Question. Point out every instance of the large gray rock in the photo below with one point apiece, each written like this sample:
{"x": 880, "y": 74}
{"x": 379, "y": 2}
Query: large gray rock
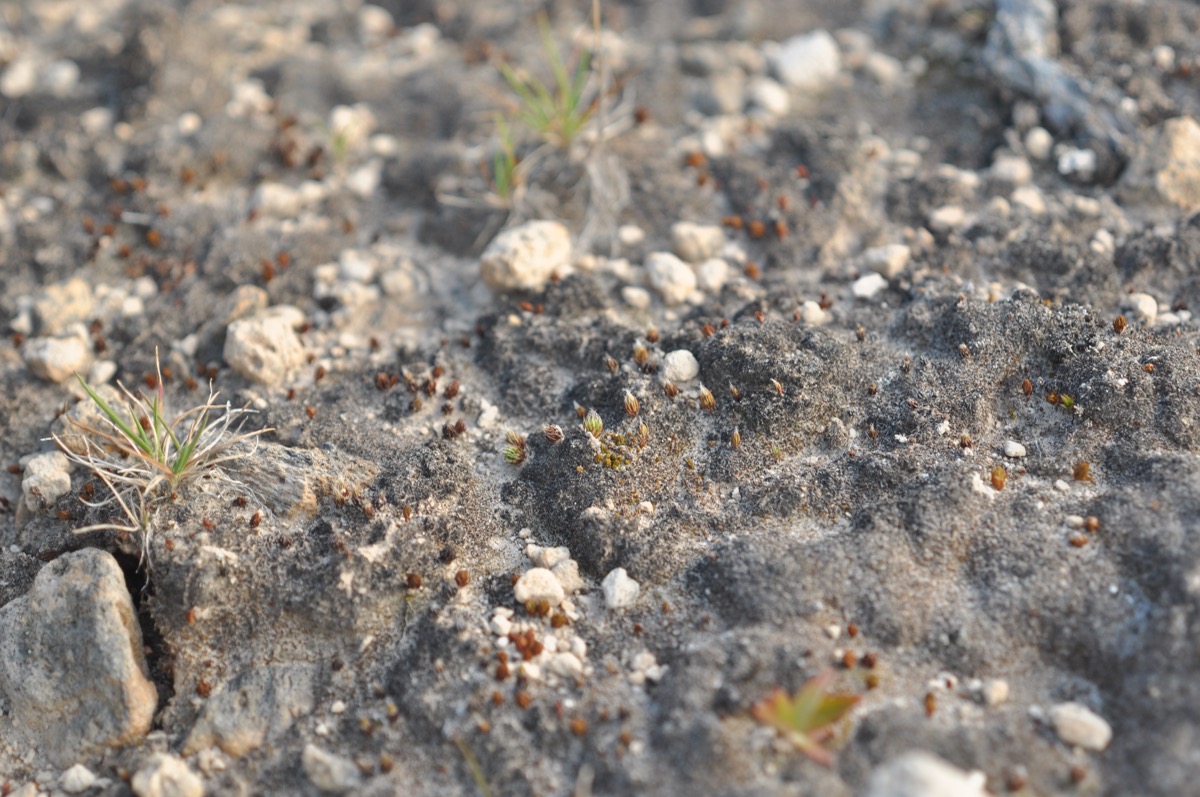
{"x": 71, "y": 664}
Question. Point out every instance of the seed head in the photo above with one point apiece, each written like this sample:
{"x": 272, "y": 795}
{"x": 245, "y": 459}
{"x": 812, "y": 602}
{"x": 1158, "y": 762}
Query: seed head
{"x": 775, "y": 383}
{"x": 515, "y": 439}
{"x": 631, "y": 404}
{"x": 514, "y": 455}
{"x": 553, "y": 432}
{"x": 640, "y": 354}
{"x": 735, "y": 439}
{"x": 643, "y": 435}
{"x": 670, "y": 390}
{"x": 1119, "y": 324}
{"x": 999, "y": 477}
{"x": 733, "y": 391}
{"x": 592, "y": 424}
{"x": 611, "y": 364}
{"x": 707, "y": 400}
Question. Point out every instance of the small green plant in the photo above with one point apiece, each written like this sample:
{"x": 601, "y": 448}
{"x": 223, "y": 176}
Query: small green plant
{"x": 806, "y": 719}
{"x": 504, "y": 162}
{"x": 559, "y": 112}
{"x": 143, "y": 457}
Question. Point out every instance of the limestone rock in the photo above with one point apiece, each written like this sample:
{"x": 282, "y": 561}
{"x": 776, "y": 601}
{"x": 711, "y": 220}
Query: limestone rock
{"x": 523, "y": 258}
{"x": 71, "y": 661}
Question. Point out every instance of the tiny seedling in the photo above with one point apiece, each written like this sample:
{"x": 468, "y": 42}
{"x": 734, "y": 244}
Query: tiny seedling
{"x": 557, "y": 113}
{"x": 143, "y": 457}
{"x": 504, "y": 162}
{"x": 807, "y": 718}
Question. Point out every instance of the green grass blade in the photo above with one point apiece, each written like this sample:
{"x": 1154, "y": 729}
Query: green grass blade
{"x": 137, "y": 438}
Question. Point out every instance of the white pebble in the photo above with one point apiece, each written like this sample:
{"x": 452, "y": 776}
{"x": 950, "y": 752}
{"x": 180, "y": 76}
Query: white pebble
{"x": 712, "y": 275}
{"x": 265, "y": 347}
{"x": 330, "y": 773}
{"x": 807, "y": 62}
{"x": 635, "y": 297}
{"x": 523, "y": 258}
{"x": 1061, "y": 486}
{"x": 538, "y": 584}
{"x": 567, "y": 573}
{"x": 680, "y": 366}
{"x": 57, "y": 359}
{"x": 630, "y": 235}
{"x": 1074, "y": 521}
{"x": 77, "y": 779}
{"x": 1078, "y": 725}
{"x": 868, "y": 286}
{"x": 887, "y": 260}
{"x": 19, "y": 78}
{"x": 1039, "y": 143}
{"x": 673, "y": 279}
{"x": 1013, "y": 449}
{"x": 1012, "y": 169}
{"x": 946, "y": 218}
{"x": 811, "y": 313}
{"x": 564, "y": 665}
{"x": 995, "y": 691}
{"x": 166, "y": 775}
{"x": 696, "y": 243}
{"x": 1077, "y": 163}
{"x": 768, "y": 95}
{"x": 921, "y": 774}
{"x": 1143, "y": 306}
{"x": 1029, "y": 197}
{"x": 45, "y": 479}
{"x": 620, "y": 591}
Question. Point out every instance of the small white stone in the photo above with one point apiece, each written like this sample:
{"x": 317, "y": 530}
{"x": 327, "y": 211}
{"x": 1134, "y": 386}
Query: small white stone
{"x": 564, "y": 665}
{"x": 712, "y": 275}
{"x": 567, "y": 573}
{"x": 1078, "y": 725}
{"x": 277, "y": 199}
{"x": 337, "y": 707}
{"x": 680, "y": 366}
{"x": 375, "y": 25}
{"x": 60, "y": 78}
{"x": 883, "y": 68}
{"x": 364, "y": 181}
{"x": 1077, "y": 163}
{"x": 57, "y": 359}
{"x": 943, "y": 428}
{"x": 887, "y": 260}
{"x": 620, "y": 591}
{"x": 630, "y": 234}
{"x": 994, "y": 692}
{"x": 19, "y": 78}
{"x": 354, "y": 264}
{"x": 696, "y": 243}
{"x": 1164, "y": 57}
{"x": 808, "y": 62}
{"x": 538, "y": 584}
{"x": 833, "y": 630}
{"x": 549, "y": 557}
{"x": 1039, "y": 143}
{"x": 166, "y": 775}
{"x": 330, "y": 773}
{"x": 921, "y": 774}
{"x": 77, "y": 779}
{"x": 523, "y": 258}
{"x": 501, "y": 626}
{"x": 811, "y": 313}
{"x": 45, "y": 479}
{"x": 947, "y": 218}
{"x": 673, "y": 279}
{"x": 1143, "y": 306}
{"x": 1062, "y": 486}
{"x": 768, "y": 95}
{"x": 1013, "y": 449}
{"x": 1012, "y": 169}
{"x": 868, "y": 286}
{"x": 397, "y": 282}
{"x": 635, "y": 297}
{"x": 529, "y": 671}
{"x": 1029, "y": 197}
{"x": 265, "y": 347}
